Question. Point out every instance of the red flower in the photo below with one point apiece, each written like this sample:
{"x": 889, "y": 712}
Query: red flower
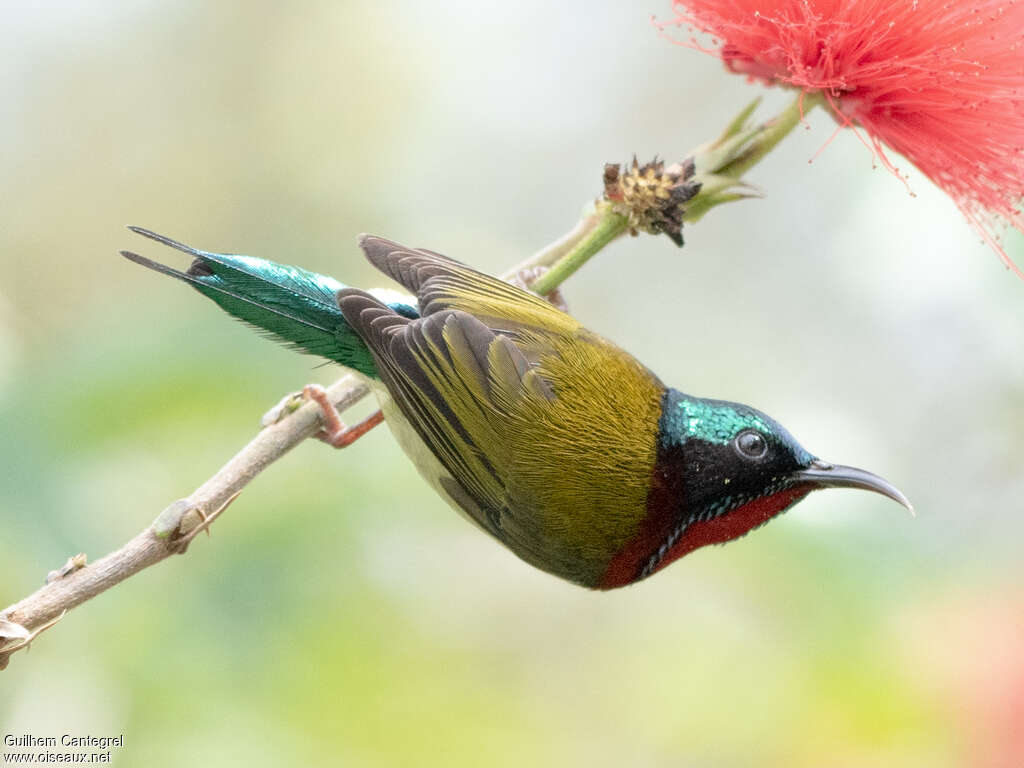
{"x": 939, "y": 81}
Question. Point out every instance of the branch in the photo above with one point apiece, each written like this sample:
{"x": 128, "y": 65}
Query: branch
{"x": 651, "y": 198}
{"x": 174, "y": 528}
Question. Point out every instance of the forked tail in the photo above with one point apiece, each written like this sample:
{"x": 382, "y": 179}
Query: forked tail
{"x": 291, "y": 305}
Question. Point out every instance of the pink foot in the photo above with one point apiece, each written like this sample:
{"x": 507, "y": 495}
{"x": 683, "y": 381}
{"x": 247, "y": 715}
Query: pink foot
{"x": 335, "y": 432}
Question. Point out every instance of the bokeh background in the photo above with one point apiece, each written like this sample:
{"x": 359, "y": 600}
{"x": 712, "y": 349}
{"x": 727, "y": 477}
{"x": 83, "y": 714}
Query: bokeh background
{"x": 341, "y": 614}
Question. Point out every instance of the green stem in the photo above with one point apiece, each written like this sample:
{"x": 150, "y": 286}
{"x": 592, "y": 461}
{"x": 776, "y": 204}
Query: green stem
{"x": 609, "y": 226}
{"x": 773, "y": 132}
{"x": 552, "y": 252}
{"x": 746, "y": 148}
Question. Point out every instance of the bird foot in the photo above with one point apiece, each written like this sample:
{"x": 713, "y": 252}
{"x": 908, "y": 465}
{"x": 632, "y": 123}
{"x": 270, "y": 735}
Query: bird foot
{"x": 334, "y": 432}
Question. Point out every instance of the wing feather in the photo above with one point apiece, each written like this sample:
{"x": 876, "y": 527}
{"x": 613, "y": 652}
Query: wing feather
{"x": 454, "y": 380}
{"x": 442, "y": 283}
{"x": 533, "y": 418}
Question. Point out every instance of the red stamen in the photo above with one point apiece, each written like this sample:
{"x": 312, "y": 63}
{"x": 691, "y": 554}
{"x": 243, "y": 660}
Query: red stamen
{"x": 939, "y": 82}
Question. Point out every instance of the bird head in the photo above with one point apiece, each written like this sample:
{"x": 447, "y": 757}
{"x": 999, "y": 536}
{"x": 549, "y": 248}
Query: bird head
{"x": 723, "y": 469}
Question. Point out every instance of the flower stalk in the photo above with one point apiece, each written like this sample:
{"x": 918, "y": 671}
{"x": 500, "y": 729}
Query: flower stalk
{"x": 609, "y": 225}
{"x": 657, "y": 199}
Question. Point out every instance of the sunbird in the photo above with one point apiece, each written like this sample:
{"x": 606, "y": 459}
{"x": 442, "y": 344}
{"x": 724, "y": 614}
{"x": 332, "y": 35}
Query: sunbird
{"x": 550, "y": 438}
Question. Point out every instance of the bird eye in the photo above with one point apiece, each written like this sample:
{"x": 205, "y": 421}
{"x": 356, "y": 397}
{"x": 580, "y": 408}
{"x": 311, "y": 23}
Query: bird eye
{"x": 750, "y": 444}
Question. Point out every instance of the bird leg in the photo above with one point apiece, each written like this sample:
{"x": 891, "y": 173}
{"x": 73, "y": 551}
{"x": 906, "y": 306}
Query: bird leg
{"x": 335, "y": 432}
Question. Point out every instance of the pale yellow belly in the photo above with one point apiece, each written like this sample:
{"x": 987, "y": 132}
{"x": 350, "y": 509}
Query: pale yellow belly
{"x": 422, "y": 457}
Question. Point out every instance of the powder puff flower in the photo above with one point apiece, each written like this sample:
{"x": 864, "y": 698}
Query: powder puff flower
{"x": 938, "y": 81}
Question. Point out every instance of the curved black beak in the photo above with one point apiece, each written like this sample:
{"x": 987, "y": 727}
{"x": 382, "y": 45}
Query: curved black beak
{"x": 826, "y": 475}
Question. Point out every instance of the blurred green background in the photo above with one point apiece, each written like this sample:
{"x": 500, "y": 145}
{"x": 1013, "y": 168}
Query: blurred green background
{"x": 341, "y": 613}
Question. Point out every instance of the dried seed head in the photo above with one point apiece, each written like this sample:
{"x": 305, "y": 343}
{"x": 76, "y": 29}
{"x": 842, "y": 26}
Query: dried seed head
{"x": 652, "y": 196}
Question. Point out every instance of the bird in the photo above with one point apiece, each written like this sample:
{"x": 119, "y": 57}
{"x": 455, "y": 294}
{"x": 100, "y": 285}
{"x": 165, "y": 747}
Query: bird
{"x": 551, "y": 439}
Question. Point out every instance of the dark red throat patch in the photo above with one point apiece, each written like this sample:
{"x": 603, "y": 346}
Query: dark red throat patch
{"x": 626, "y": 567}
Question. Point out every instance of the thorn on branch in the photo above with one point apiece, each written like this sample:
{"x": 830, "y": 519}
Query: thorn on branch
{"x": 14, "y": 637}
{"x": 205, "y": 521}
{"x": 179, "y": 525}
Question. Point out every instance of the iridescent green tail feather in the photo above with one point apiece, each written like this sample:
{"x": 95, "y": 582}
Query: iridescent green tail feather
{"x": 291, "y": 305}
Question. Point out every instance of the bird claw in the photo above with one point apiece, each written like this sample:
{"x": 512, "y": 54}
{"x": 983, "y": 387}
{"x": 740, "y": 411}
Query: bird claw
{"x": 334, "y": 432}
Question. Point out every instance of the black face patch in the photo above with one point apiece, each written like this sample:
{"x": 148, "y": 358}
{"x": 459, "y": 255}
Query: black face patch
{"x": 721, "y": 454}
{"x": 715, "y": 475}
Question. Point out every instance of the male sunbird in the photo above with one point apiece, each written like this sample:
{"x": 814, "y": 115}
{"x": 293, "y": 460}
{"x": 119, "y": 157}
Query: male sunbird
{"x": 559, "y": 444}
